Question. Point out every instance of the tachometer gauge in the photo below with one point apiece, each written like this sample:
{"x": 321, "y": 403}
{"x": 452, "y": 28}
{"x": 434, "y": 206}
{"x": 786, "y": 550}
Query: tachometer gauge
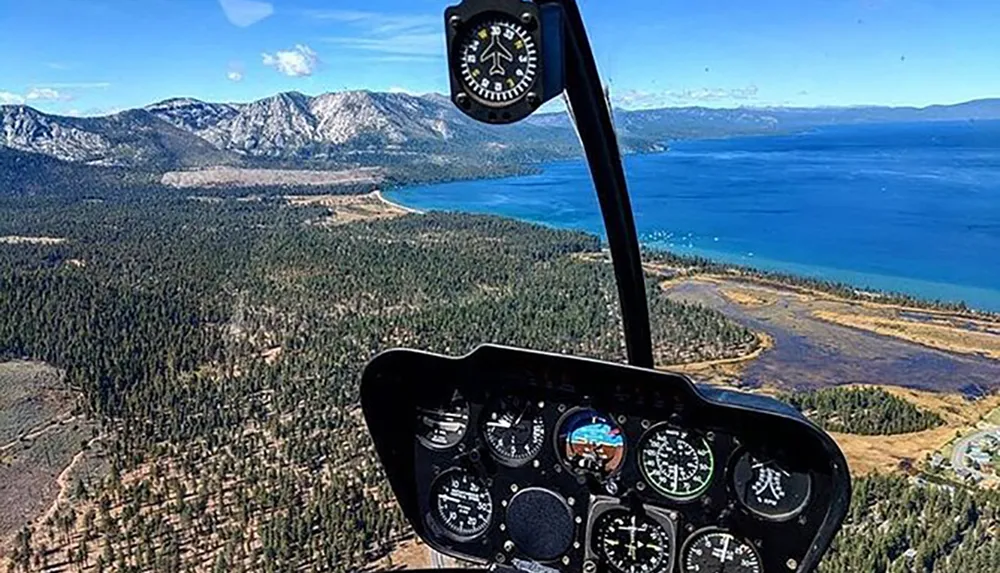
{"x": 632, "y": 543}
{"x": 678, "y": 464}
{"x": 716, "y": 551}
{"x": 442, "y": 424}
{"x": 461, "y": 504}
{"x": 498, "y": 60}
{"x": 514, "y": 430}
{"x": 590, "y": 442}
{"x": 768, "y": 489}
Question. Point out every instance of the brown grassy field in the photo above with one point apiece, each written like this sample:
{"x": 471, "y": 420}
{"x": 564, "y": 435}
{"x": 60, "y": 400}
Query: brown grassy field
{"x": 350, "y": 208}
{"x": 943, "y": 335}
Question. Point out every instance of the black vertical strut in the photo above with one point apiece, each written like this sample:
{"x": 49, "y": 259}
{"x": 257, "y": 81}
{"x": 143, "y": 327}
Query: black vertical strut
{"x": 593, "y": 120}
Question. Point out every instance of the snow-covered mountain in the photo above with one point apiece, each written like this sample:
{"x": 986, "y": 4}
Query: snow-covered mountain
{"x": 185, "y": 132}
{"x": 362, "y": 127}
{"x": 128, "y": 138}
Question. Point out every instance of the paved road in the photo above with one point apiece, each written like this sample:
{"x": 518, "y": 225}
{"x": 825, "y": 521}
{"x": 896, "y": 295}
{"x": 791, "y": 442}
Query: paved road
{"x": 958, "y": 454}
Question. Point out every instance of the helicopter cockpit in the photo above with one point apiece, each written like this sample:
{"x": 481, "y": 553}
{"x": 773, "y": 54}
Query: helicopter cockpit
{"x": 516, "y": 459}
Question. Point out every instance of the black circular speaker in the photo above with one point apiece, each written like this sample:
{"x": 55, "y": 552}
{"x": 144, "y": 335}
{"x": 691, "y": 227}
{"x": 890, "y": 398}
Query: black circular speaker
{"x": 540, "y": 523}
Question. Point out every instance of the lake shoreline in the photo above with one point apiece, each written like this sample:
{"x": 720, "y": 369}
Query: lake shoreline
{"x": 880, "y": 208}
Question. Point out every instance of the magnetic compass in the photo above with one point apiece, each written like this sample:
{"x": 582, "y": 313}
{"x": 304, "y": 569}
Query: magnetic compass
{"x": 498, "y": 60}
{"x": 495, "y": 58}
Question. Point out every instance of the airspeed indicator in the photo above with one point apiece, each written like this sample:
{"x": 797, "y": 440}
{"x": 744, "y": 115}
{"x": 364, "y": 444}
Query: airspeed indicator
{"x": 678, "y": 464}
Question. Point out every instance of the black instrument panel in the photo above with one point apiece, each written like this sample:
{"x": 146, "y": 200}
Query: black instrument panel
{"x": 546, "y": 462}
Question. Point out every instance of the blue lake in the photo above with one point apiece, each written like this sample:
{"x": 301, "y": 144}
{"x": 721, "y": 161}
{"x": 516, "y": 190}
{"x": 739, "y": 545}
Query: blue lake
{"x": 912, "y": 208}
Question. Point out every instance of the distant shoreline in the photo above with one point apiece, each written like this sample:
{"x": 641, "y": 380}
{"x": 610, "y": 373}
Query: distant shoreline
{"x": 377, "y": 194}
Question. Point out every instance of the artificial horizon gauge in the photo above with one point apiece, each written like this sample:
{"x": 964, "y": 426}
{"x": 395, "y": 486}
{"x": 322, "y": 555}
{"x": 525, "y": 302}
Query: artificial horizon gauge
{"x": 590, "y": 442}
{"x": 632, "y": 543}
{"x": 461, "y": 504}
{"x": 717, "y": 551}
{"x": 442, "y": 423}
{"x": 514, "y": 430}
{"x": 677, "y": 463}
{"x": 768, "y": 489}
{"x": 497, "y": 60}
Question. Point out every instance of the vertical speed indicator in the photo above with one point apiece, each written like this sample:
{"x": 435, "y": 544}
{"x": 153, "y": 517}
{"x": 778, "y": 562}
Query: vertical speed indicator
{"x": 497, "y": 61}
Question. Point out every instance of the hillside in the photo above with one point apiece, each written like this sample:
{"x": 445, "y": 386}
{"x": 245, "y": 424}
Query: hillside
{"x": 413, "y": 133}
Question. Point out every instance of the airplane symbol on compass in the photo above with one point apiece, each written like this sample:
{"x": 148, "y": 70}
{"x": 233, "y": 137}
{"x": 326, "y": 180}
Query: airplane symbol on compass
{"x": 497, "y": 52}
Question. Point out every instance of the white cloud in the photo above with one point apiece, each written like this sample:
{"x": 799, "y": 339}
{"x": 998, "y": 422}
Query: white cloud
{"x": 47, "y": 94}
{"x": 8, "y": 98}
{"x": 235, "y": 75}
{"x": 411, "y": 45}
{"x": 642, "y": 99}
{"x": 245, "y": 13}
{"x": 412, "y": 36}
{"x": 401, "y": 90}
{"x": 78, "y": 85}
{"x": 299, "y": 61}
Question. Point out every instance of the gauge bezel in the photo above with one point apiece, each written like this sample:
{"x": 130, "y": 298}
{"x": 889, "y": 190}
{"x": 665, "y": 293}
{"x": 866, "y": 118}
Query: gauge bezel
{"x": 562, "y": 458}
{"x": 438, "y": 524}
{"x": 503, "y": 459}
{"x": 697, "y": 534}
{"x": 736, "y": 457}
{"x": 458, "y": 19}
{"x": 663, "y": 566}
{"x": 423, "y": 441}
{"x": 644, "y": 441}
{"x": 601, "y": 505}
{"x": 532, "y": 49}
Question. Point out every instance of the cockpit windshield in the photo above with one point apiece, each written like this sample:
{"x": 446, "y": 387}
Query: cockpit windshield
{"x": 215, "y": 213}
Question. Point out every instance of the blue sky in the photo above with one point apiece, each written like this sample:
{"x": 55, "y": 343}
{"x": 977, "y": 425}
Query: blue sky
{"x": 95, "y": 56}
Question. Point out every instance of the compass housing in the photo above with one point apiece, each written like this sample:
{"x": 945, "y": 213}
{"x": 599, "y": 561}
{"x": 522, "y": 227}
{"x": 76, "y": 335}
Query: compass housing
{"x": 495, "y": 59}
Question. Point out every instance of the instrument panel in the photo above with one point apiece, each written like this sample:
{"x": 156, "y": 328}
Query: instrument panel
{"x": 548, "y": 463}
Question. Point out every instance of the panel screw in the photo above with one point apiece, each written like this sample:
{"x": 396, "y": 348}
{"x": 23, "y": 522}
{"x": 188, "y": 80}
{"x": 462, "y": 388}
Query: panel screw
{"x": 576, "y": 545}
{"x": 532, "y": 99}
{"x": 527, "y": 18}
{"x": 571, "y": 501}
{"x": 803, "y": 520}
{"x": 589, "y": 567}
{"x": 565, "y": 560}
{"x": 640, "y": 486}
{"x": 513, "y": 488}
{"x": 503, "y": 527}
{"x": 455, "y": 20}
{"x": 560, "y": 407}
{"x": 710, "y": 436}
{"x": 501, "y": 558}
{"x": 462, "y": 100}
{"x": 578, "y": 519}
{"x": 621, "y": 418}
{"x": 535, "y": 464}
{"x": 791, "y": 564}
{"x": 508, "y": 545}
{"x": 645, "y": 424}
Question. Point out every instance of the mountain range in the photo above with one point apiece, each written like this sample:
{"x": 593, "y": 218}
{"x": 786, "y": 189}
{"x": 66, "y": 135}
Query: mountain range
{"x": 372, "y": 128}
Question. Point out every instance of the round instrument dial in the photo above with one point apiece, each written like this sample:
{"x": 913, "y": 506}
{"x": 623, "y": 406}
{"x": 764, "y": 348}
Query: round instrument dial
{"x": 461, "y": 504}
{"x": 590, "y": 442}
{"x": 442, "y": 423}
{"x": 770, "y": 490}
{"x": 719, "y": 552}
{"x": 498, "y": 60}
{"x": 514, "y": 430}
{"x": 678, "y": 464}
{"x": 632, "y": 543}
